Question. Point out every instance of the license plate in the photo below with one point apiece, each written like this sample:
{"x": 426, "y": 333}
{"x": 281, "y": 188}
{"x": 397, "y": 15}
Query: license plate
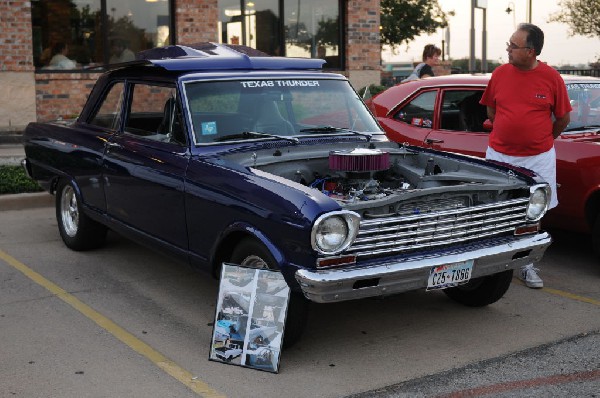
{"x": 449, "y": 275}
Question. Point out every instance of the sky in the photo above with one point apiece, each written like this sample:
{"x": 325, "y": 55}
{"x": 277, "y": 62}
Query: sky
{"x": 559, "y": 48}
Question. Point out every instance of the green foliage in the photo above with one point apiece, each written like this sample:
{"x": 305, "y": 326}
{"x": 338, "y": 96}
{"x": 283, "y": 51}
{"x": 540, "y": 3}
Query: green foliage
{"x": 373, "y": 90}
{"x": 582, "y": 16}
{"x": 14, "y": 180}
{"x": 463, "y": 65}
{"x": 403, "y": 20}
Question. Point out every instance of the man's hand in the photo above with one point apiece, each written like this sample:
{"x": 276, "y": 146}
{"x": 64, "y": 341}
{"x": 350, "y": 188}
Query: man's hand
{"x": 491, "y": 113}
{"x": 559, "y": 124}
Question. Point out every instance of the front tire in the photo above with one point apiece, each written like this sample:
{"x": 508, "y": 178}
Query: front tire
{"x": 77, "y": 230}
{"x": 251, "y": 253}
{"x": 483, "y": 291}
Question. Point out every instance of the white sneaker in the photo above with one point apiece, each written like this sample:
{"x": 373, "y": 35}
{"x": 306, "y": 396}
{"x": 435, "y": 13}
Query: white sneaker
{"x": 529, "y": 275}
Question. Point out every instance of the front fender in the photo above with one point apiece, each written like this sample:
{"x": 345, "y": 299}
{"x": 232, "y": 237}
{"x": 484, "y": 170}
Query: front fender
{"x": 238, "y": 231}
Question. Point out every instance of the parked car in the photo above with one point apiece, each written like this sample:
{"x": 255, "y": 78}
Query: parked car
{"x": 444, "y": 113}
{"x": 211, "y": 155}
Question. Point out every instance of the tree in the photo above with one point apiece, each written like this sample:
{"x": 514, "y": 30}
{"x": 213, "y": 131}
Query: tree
{"x": 402, "y": 20}
{"x": 582, "y": 16}
{"x": 462, "y": 65}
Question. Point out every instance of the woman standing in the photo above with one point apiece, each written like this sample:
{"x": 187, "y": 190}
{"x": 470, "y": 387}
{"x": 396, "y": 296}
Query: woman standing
{"x": 431, "y": 57}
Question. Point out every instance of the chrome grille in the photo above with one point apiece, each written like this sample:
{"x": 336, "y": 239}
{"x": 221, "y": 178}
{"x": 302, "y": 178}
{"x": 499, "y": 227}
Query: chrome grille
{"x": 442, "y": 227}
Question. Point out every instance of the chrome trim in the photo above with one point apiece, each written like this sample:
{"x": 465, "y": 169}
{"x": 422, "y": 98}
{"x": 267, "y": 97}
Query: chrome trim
{"x": 352, "y": 220}
{"x": 424, "y": 87}
{"x": 402, "y": 275}
{"x": 25, "y": 164}
{"x": 393, "y": 235}
{"x": 548, "y": 193}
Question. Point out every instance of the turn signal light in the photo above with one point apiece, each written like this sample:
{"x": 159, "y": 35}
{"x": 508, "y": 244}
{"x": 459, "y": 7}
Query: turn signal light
{"x": 527, "y": 229}
{"x": 335, "y": 261}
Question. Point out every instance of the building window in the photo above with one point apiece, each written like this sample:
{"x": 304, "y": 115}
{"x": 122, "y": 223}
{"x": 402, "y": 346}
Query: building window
{"x": 293, "y": 28}
{"x": 74, "y": 34}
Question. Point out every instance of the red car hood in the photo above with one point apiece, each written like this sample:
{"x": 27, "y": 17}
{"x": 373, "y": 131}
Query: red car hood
{"x": 584, "y": 136}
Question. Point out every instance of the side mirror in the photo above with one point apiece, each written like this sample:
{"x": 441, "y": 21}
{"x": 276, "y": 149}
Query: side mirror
{"x": 488, "y": 125}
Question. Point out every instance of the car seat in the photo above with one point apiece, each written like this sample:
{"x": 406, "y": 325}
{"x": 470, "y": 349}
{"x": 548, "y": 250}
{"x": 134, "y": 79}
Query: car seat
{"x": 270, "y": 120}
{"x": 471, "y": 113}
{"x": 170, "y": 124}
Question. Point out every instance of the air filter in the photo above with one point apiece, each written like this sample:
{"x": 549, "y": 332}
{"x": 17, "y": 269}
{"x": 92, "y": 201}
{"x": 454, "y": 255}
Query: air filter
{"x": 359, "y": 160}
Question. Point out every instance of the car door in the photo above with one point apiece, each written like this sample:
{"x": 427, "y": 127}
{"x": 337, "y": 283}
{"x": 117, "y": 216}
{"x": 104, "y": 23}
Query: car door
{"x": 459, "y": 122}
{"x": 89, "y": 144}
{"x": 144, "y": 166}
{"x": 412, "y": 121}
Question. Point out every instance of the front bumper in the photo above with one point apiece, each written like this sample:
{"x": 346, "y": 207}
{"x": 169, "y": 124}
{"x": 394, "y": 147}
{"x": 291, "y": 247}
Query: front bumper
{"x": 388, "y": 277}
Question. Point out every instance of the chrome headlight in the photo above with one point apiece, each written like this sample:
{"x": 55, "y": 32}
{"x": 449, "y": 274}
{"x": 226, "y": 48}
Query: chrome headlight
{"x": 539, "y": 200}
{"x": 334, "y": 232}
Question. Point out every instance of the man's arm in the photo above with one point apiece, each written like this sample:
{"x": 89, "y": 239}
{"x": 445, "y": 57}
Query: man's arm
{"x": 491, "y": 114}
{"x": 559, "y": 124}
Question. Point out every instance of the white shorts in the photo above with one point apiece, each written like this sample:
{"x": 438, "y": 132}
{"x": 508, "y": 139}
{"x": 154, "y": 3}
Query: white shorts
{"x": 543, "y": 164}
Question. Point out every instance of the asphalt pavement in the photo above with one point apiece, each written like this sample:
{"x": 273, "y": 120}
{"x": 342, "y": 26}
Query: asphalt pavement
{"x": 561, "y": 369}
{"x": 569, "y": 367}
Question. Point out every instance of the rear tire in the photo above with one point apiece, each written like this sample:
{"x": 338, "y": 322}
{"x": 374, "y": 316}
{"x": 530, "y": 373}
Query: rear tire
{"x": 596, "y": 235}
{"x": 251, "y": 253}
{"x": 77, "y": 230}
{"x": 483, "y": 291}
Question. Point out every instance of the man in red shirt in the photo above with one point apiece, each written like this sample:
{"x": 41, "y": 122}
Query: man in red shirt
{"x": 528, "y": 103}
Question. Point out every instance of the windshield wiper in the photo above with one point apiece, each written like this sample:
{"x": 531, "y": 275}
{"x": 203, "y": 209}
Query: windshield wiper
{"x": 581, "y": 128}
{"x": 327, "y": 129}
{"x": 254, "y": 134}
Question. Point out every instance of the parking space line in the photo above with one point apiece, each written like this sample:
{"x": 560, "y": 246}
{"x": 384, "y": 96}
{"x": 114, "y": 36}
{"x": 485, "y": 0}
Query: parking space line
{"x": 564, "y": 294}
{"x": 572, "y": 296}
{"x": 185, "y": 377}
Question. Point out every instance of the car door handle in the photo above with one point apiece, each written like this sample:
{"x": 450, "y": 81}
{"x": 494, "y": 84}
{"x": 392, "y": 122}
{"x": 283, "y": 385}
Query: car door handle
{"x": 431, "y": 141}
{"x": 110, "y": 145}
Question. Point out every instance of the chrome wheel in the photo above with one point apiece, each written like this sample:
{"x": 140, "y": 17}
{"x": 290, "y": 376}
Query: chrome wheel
{"x": 254, "y": 261}
{"x": 69, "y": 211}
{"x": 251, "y": 253}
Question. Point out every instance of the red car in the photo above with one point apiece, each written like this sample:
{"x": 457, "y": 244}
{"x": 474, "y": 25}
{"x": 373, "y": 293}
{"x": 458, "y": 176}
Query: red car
{"x": 444, "y": 113}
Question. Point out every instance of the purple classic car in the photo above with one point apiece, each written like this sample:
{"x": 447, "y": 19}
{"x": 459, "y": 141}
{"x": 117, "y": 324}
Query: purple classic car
{"x": 217, "y": 154}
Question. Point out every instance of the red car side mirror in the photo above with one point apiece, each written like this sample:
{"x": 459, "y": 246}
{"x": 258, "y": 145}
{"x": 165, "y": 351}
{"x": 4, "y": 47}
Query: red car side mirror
{"x": 488, "y": 125}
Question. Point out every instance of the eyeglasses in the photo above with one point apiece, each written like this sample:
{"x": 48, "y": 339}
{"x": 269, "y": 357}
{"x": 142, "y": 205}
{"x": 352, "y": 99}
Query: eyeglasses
{"x": 513, "y": 46}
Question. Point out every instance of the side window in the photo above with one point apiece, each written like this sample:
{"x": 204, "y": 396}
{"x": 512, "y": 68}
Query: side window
{"x": 419, "y": 112}
{"x": 109, "y": 113}
{"x": 154, "y": 114}
{"x": 461, "y": 111}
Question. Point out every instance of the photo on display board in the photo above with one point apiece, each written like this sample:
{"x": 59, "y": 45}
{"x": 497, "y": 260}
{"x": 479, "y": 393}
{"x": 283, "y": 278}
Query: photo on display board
{"x": 250, "y": 318}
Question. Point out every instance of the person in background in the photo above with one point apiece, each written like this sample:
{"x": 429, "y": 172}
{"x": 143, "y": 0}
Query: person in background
{"x": 59, "y": 58}
{"x": 120, "y": 52}
{"x": 431, "y": 57}
{"x": 527, "y": 102}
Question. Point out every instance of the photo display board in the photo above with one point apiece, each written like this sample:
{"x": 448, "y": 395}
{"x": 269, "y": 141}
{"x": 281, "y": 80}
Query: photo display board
{"x": 250, "y": 318}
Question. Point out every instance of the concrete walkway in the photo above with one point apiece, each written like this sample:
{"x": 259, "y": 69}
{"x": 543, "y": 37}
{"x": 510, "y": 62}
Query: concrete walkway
{"x": 11, "y": 154}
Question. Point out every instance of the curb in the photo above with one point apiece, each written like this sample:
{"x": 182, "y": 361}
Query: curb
{"x": 11, "y": 135}
{"x": 23, "y": 201}
{"x": 11, "y": 138}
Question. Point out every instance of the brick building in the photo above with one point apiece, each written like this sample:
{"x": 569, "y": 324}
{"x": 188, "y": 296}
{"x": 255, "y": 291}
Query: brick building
{"x": 32, "y": 87}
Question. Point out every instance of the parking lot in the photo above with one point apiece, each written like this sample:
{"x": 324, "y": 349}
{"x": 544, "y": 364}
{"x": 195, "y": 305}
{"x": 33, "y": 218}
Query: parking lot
{"x": 124, "y": 321}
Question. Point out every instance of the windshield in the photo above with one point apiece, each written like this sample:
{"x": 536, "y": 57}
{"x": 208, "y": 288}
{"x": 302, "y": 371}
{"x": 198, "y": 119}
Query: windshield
{"x": 585, "y": 101}
{"x": 277, "y": 108}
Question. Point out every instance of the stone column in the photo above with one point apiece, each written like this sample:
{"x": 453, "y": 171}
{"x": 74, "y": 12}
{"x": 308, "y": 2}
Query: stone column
{"x": 363, "y": 48}
{"x": 17, "y": 80}
{"x": 196, "y": 21}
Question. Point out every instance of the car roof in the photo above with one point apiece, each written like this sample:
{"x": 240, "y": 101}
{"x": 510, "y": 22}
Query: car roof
{"x": 390, "y": 98}
{"x": 481, "y": 78}
{"x": 218, "y": 57}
